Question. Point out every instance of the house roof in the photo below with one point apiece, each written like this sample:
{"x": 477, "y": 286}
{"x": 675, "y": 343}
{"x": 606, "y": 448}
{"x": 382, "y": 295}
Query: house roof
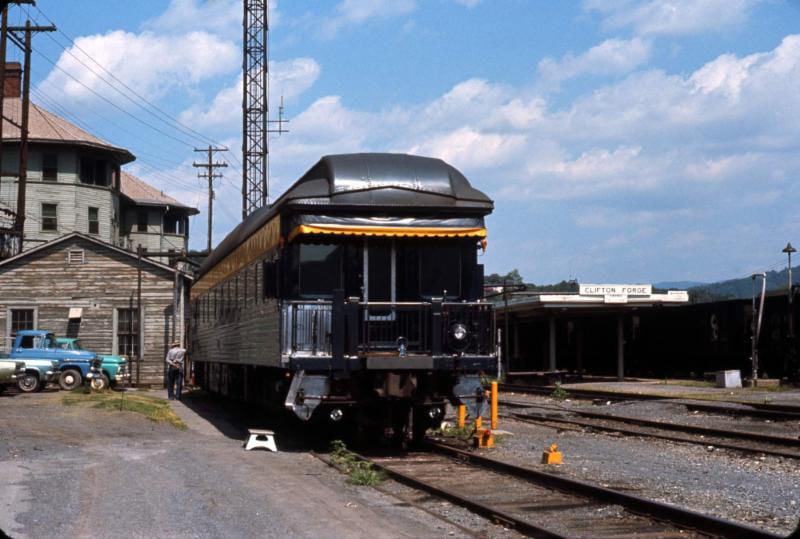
{"x": 145, "y": 194}
{"x": 46, "y": 127}
{"x": 72, "y": 235}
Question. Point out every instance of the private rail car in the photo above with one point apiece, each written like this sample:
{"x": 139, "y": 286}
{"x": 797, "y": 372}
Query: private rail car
{"x": 357, "y": 294}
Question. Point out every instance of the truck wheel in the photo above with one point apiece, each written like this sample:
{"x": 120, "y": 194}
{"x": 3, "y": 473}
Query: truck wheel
{"x": 70, "y": 379}
{"x": 100, "y": 383}
{"x": 2, "y": 389}
{"x": 28, "y": 383}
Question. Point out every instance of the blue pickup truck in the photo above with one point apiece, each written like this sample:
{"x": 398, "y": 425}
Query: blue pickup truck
{"x": 46, "y": 362}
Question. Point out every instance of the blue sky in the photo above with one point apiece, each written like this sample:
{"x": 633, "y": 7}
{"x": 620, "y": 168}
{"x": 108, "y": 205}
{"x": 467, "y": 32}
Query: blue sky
{"x": 622, "y": 140}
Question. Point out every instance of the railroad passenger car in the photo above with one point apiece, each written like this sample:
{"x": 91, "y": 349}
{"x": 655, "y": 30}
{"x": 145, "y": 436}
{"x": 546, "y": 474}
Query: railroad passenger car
{"x": 357, "y": 294}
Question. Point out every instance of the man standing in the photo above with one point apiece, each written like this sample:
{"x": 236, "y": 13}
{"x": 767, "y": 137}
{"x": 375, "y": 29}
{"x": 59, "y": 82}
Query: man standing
{"x": 175, "y": 357}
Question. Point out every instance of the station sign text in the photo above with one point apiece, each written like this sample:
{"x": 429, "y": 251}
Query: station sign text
{"x": 615, "y": 290}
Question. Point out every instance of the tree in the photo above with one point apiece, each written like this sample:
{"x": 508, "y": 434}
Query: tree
{"x": 512, "y": 277}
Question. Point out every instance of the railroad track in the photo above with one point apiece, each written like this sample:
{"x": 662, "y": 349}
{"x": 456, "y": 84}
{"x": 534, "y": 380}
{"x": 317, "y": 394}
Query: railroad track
{"x": 778, "y": 412}
{"x": 540, "y": 504}
{"x": 749, "y": 442}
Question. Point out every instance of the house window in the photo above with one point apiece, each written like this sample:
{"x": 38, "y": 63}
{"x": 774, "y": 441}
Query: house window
{"x": 128, "y": 332}
{"x": 21, "y": 319}
{"x": 50, "y": 167}
{"x": 75, "y": 256}
{"x": 93, "y": 171}
{"x": 100, "y": 174}
{"x": 141, "y": 221}
{"x": 94, "y": 221}
{"x": 170, "y": 225}
{"x": 49, "y": 217}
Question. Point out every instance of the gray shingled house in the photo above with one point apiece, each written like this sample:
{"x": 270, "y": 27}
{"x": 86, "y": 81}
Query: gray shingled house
{"x": 76, "y": 184}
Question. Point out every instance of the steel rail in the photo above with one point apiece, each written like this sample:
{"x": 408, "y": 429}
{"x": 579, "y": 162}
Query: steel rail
{"x": 757, "y": 412}
{"x": 631, "y": 432}
{"x": 487, "y": 511}
{"x": 581, "y": 393}
{"x": 786, "y": 411}
{"x": 635, "y": 504}
{"x": 680, "y": 427}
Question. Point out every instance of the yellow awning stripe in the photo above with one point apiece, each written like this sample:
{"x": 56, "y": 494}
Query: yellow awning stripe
{"x": 389, "y": 231}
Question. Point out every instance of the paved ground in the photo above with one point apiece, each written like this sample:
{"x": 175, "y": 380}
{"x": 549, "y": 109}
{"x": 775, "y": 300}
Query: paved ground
{"x": 79, "y": 472}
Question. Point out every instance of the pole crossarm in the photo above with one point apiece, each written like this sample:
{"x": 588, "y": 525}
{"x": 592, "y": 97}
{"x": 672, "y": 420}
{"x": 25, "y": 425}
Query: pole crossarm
{"x": 210, "y": 166}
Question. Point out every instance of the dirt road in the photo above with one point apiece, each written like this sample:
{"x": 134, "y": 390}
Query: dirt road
{"x": 79, "y": 472}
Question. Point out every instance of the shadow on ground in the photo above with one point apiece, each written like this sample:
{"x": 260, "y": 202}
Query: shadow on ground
{"x": 233, "y": 419}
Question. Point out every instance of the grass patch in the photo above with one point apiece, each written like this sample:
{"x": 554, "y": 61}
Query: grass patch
{"x": 559, "y": 393}
{"x": 454, "y": 431}
{"x": 153, "y": 408}
{"x": 359, "y": 472}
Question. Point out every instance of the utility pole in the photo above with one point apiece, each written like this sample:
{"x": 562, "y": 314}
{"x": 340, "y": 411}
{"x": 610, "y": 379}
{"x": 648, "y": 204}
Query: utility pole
{"x": 789, "y": 250}
{"x": 757, "y": 318}
{"x": 210, "y": 175}
{"x": 3, "y": 41}
{"x": 24, "y": 42}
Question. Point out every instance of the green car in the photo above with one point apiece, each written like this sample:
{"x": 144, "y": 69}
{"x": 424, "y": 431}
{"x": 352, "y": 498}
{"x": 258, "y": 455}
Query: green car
{"x": 115, "y": 368}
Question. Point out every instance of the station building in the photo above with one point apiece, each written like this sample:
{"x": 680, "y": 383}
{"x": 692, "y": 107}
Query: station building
{"x": 591, "y": 331}
{"x": 644, "y": 335}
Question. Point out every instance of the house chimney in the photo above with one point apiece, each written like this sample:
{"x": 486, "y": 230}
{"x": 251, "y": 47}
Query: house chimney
{"x": 11, "y": 88}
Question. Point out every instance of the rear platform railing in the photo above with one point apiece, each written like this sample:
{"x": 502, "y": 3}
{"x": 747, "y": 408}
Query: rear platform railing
{"x": 319, "y": 328}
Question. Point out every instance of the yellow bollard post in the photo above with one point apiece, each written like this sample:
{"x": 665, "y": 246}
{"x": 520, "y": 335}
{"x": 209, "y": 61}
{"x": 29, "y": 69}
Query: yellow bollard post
{"x": 462, "y": 416}
{"x": 494, "y": 405}
{"x": 478, "y": 422}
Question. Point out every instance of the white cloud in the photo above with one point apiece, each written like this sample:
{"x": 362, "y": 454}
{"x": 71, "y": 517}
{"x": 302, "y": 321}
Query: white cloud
{"x": 649, "y": 134}
{"x": 216, "y": 16}
{"x": 611, "y": 57}
{"x": 665, "y": 17}
{"x": 355, "y": 12}
{"x": 471, "y": 148}
{"x": 288, "y": 79}
{"x": 149, "y": 63}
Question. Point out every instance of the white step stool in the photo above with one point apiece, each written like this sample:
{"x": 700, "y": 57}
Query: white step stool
{"x": 261, "y": 438}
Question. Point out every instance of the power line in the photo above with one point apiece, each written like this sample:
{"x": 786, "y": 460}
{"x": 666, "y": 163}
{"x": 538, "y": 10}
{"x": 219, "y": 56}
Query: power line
{"x": 173, "y": 122}
{"x": 64, "y": 112}
{"x": 104, "y": 98}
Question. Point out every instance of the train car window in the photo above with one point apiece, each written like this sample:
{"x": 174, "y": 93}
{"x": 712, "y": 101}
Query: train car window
{"x": 257, "y": 277}
{"x": 407, "y": 271}
{"x": 440, "y": 270}
{"x": 380, "y": 267}
{"x": 320, "y": 270}
{"x": 245, "y": 275}
{"x": 236, "y": 303}
{"x": 353, "y": 269}
{"x": 270, "y": 280}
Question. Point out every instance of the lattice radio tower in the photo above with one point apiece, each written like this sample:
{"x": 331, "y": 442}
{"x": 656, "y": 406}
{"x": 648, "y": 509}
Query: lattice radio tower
{"x": 255, "y": 108}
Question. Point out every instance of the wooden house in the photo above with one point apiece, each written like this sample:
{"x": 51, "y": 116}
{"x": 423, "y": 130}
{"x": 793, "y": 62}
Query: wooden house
{"x": 81, "y": 286}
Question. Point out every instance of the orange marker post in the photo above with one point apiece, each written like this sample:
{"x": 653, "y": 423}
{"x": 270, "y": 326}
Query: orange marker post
{"x": 494, "y": 405}
{"x": 462, "y": 416}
